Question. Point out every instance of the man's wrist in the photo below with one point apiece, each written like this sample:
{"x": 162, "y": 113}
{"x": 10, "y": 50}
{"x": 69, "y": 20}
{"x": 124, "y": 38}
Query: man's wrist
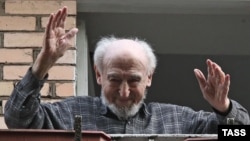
{"x": 226, "y": 112}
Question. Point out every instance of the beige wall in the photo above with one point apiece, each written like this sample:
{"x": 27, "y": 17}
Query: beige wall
{"x": 22, "y": 25}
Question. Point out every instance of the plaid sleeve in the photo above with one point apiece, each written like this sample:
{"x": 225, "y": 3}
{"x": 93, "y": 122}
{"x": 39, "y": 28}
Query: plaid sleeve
{"x": 24, "y": 102}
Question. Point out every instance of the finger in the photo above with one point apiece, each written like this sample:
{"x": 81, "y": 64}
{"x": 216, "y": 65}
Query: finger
{"x": 220, "y": 75}
{"x": 210, "y": 67}
{"x": 226, "y": 86}
{"x": 62, "y": 19}
{"x": 200, "y": 78}
{"x": 65, "y": 40}
{"x": 69, "y": 35}
{"x": 56, "y": 19}
{"x": 49, "y": 26}
{"x": 227, "y": 80}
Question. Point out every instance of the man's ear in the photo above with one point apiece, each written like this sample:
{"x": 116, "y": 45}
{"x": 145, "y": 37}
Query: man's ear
{"x": 149, "y": 82}
{"x": 98, "y": 75}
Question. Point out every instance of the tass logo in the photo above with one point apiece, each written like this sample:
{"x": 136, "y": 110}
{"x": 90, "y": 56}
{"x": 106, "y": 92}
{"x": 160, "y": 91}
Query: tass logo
{"x": 234, "y": 132}
{"x": 226, "y": 132}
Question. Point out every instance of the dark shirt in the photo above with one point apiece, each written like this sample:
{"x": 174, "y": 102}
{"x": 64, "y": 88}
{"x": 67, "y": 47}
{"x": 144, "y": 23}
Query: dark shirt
{"x": 24, "y": 110}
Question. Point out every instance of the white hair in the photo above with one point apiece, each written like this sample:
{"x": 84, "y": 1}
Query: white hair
{"x": 123, "y": 113}
{"x": 105, "y": 42}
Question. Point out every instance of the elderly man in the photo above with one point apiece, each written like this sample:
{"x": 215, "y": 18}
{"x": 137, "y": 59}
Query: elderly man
{"x": 124, "y": 69}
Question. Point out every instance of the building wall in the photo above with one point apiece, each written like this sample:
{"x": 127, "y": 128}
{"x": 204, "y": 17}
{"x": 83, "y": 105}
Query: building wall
{"x": 22, "y": 25}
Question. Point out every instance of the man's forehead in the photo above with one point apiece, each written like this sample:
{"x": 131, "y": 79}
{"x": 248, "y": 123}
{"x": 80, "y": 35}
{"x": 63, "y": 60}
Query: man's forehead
{"x": 118, "y": 74}
{"x": 126, "y": 55}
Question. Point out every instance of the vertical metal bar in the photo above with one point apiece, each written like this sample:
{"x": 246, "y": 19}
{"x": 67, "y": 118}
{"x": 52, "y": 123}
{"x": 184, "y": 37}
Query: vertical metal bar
{"x": 78, "y": 128}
